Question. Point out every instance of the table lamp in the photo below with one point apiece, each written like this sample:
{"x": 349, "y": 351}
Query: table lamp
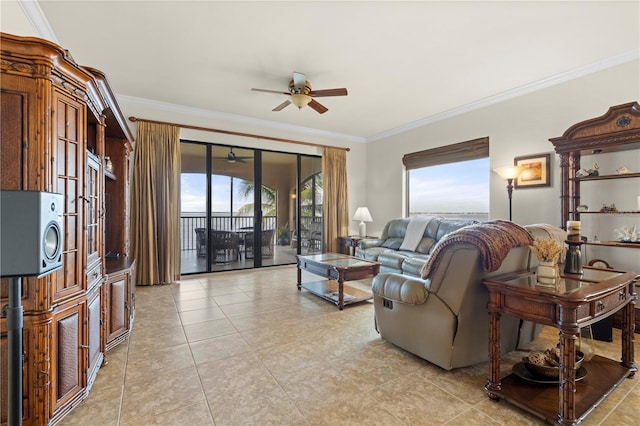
{"x": 363, "y": 215}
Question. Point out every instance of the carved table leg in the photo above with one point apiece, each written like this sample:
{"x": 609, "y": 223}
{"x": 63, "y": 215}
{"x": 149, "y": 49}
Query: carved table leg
{"x": 494, "y": 385}
{"x": 567, "y": 407}
{"x": 628, "y": 337}
{"x": 340, "y": 292}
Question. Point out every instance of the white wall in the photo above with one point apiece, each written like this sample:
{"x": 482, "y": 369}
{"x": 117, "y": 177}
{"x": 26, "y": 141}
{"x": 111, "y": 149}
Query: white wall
{"x": 519, "y": 126}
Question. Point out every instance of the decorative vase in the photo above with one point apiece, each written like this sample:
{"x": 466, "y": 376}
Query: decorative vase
{"x": 547, "y": 273}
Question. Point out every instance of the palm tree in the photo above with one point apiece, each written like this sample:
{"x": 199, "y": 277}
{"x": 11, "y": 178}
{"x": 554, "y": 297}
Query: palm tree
{"x": 246, "y": 189}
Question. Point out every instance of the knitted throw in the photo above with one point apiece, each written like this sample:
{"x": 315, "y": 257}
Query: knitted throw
{"x": 493, "y": 239}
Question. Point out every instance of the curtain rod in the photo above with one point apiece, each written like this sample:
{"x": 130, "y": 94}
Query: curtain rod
{"x": 229, "y": 132}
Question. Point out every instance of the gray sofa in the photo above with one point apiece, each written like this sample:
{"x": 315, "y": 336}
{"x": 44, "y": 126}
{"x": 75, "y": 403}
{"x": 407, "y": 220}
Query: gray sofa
{"x": 443, "y": 317}
{"x": 386, "y": 249}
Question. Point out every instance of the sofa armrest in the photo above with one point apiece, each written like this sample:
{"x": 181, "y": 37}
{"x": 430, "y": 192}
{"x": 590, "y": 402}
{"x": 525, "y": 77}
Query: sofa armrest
{"x": 371, "y": 242}
{"x": 401, "y": 288}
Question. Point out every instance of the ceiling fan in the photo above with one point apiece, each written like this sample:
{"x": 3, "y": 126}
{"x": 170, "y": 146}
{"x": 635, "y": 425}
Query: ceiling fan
{"x": 233, "y": 158}
{"x": 301, "y": 94}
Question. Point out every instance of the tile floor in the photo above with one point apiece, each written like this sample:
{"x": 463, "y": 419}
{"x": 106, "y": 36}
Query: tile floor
{"x": 247, "y": 348}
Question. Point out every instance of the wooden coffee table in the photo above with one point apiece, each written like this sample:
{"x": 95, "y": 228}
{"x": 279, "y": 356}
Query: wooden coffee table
{"x": 578, "y": 301}
{"x": 337, "y": 268}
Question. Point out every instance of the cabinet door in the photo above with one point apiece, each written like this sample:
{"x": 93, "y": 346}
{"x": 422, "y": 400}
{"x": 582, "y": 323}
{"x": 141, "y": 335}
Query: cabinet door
{"x": 69, "y": 364}
{"x": 94, "y": 348}
{"x": 69, "y": 154}
{"x": 92, "y": 211}
{"x": 118, "y": 306}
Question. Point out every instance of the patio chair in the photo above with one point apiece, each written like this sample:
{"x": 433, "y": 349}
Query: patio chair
{"x": 201, "y": 242}
{"x": 225, "y": 246}
{"x": 314, "y": 237}
{"x": 267, "y": 244}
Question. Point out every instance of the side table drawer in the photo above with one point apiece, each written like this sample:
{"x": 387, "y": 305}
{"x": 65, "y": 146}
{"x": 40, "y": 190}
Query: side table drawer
{"x": 608, "y": 303}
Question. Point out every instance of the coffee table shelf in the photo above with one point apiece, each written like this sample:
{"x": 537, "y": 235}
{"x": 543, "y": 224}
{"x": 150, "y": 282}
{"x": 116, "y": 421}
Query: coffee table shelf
{"x": 329, "y": 290}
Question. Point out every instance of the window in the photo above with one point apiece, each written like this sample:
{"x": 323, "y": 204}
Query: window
{"x": 450, "y": 181}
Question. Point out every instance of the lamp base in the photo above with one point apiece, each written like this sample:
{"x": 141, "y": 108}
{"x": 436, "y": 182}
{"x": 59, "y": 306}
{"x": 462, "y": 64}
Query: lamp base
{"x": 363, "y": 229}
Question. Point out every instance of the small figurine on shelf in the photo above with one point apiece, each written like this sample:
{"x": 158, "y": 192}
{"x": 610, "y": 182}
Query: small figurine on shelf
{"x": 609, "y": 208}
{"x": 108, "y": 165}
{"x": 622, "y": 171}
{"x": 588, "y": 172}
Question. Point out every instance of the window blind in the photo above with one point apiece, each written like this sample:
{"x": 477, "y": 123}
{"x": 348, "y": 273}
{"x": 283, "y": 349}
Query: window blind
{"x": 462, "y": 151}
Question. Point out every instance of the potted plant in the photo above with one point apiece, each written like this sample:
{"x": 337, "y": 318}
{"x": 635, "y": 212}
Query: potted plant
{"x": 283, "y": 234}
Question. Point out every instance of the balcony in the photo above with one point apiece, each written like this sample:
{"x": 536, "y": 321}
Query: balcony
{"x": 193, "y": 263}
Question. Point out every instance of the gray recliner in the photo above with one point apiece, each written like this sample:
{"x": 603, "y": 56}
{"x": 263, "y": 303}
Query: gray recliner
{"x": 443, "y": 318}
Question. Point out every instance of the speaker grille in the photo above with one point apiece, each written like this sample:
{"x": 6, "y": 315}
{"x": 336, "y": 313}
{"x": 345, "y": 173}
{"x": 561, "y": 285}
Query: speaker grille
{"x": 52, "y": 244}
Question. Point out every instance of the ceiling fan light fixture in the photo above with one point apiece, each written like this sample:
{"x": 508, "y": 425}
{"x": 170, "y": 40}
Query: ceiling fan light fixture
{"x": 300, "y": 100}
{"x": 231, "y": 157}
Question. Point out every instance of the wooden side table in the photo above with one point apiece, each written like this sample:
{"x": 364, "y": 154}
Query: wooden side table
{"x": 577, "y": 301}
{"x": 349, "y": 243}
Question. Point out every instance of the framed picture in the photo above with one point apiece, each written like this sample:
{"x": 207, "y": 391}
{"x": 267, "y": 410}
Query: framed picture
{"x": 536, "y": 171}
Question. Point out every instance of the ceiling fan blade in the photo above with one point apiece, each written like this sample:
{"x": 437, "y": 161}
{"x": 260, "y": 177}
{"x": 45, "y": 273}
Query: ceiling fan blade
{"x": 299, "y": 80}
{"x": 318, "y": 106}
{"x": 328, "y": 92}
{"x": 282, "y": 105}
{"x": 271, "y": 91}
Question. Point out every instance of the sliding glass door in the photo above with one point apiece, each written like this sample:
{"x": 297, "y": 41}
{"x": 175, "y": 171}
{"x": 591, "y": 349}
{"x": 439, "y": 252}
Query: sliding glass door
{"x": 240, "y": 207}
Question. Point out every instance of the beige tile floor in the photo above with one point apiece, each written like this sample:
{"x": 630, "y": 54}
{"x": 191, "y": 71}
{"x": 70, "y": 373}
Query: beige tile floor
{"x": 247, "y": 348}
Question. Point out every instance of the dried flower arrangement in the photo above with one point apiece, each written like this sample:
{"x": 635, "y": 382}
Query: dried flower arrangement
{"x": 546, "y": 249}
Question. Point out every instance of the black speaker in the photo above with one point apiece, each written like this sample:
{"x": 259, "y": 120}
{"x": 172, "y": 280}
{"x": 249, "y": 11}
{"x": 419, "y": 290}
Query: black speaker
{"x": 30, "y": 233}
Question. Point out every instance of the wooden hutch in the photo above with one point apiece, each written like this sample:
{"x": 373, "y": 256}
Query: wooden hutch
{"x": 618, "y": 130}
{"x": 59, "y": 123}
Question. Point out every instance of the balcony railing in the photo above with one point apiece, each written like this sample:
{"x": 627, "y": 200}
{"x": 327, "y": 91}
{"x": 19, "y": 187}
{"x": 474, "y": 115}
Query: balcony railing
{"x": 188, "y": 224}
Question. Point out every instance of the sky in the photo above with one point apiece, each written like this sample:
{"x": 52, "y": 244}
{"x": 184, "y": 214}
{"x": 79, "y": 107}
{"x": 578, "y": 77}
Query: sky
{"x": 193, "y": 197}
{"x": 450, "y": 188}
{"x": 447, "y": 188}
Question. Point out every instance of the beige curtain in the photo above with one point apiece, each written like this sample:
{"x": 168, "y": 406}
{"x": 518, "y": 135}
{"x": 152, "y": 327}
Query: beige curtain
{"x": 336, "y": 214}
{"x": 155, "y": 204}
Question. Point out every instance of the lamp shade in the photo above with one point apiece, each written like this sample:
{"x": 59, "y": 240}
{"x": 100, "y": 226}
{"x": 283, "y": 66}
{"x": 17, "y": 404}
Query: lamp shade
{"x": 509, "y": 172}
{"x": 300, "y": 100}
{"x": 363, "y": 215}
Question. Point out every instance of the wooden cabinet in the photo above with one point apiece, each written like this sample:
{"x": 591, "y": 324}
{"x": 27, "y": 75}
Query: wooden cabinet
{"x": 612, "y": 139}
{"x": 59, "y": 120}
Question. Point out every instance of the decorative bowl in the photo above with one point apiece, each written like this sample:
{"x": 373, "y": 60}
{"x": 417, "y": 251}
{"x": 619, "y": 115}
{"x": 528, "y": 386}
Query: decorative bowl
{"x": 549, "y": 370}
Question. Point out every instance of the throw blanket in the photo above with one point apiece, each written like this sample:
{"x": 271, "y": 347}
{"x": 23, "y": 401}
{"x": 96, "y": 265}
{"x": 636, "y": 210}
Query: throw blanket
{"x": 414, "y": 233}
{"x": 493, "y": 239}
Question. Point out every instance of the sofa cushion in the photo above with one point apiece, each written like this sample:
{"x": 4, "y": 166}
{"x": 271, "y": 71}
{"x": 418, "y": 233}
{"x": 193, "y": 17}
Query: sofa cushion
{"x": 392, "y": 243}
{"x": 393, "y": 259}
{"x": 370, "y": 253}
{"x": 400, "y": 288}
{"x": 425, "y": 245}
{"x": 447, "y": 226}
{"x": 413, "y": 265}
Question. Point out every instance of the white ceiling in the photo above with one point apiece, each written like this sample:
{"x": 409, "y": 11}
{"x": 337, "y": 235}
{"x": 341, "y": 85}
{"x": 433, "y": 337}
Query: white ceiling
{"x": 404, "y": 63}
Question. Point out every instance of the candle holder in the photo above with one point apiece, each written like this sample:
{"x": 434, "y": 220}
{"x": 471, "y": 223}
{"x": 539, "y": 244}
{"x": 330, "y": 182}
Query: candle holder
{"x": 573, "y": 261}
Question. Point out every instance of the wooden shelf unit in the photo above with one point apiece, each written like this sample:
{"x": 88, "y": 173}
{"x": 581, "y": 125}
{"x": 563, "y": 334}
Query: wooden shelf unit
{"x": 59, "y": 119}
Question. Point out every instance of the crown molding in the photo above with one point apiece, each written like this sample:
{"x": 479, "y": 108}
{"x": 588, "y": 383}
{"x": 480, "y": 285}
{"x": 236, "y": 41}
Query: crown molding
{"x": 234, "y": 118}
{"x": 613, "y": 61}
{"x": 34, "y": 14}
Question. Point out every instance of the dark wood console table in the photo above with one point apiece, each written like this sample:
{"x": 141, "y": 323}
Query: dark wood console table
{"x": 577, "y": 301}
